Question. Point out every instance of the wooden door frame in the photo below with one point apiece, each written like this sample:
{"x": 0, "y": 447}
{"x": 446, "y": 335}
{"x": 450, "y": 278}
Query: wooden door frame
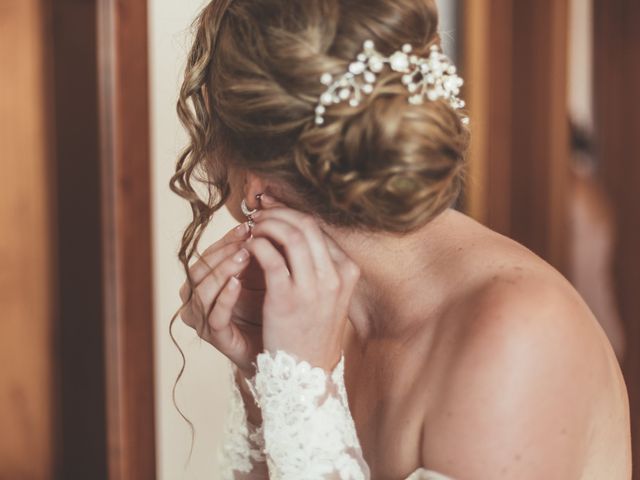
{"x": 514, "y": 59}
{"x": 80, "y": 358}
{"x": 127, "y": 257}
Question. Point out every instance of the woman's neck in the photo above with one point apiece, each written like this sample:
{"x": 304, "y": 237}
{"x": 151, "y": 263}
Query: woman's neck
{"x": 403, "y": 277}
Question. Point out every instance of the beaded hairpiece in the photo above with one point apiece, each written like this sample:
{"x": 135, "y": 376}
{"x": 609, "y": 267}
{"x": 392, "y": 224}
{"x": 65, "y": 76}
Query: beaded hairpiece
{"x": 433, "y": 77}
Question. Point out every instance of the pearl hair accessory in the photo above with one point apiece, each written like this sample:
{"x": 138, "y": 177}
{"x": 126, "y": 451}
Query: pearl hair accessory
{"x": 434, "y": 77}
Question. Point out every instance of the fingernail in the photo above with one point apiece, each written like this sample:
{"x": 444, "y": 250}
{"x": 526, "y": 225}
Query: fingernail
{"x": 266, "y": 198}
{"x": 241, "y": 256}
{"x": 234, "y": 283}
{"x": 242, "y": 229}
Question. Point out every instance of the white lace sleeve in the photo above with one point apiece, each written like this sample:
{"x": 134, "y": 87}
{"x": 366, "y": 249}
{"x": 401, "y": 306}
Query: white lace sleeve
{"x": 241, "y": 454}
{"x": 308, "y": 429}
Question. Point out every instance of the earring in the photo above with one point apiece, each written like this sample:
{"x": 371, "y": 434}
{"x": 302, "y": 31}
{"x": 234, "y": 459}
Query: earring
{"x": 249, "y": 213}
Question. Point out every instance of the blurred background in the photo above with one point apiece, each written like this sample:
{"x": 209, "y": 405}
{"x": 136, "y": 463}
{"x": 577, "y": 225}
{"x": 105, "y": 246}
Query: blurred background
{"x": 89, "y": 230}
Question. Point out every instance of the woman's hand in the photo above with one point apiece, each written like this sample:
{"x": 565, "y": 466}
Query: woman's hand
{"x": 220, "y": 310}
{"x": 308, "y": 285}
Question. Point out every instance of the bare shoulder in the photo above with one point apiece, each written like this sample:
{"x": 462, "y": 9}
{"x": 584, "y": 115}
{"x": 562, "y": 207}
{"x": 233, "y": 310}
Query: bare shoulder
{"x": 526, "y": 363}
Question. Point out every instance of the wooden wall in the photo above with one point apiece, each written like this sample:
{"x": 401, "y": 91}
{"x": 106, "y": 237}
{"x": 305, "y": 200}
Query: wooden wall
{"x": 126, "y": 200}
{"x": 27, "y": 272}
{"x": 76, "y": 359}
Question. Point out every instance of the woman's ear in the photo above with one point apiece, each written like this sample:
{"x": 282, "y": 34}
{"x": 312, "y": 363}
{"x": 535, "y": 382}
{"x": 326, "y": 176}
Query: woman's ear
{"x": 272, "y": 194}
{"x": 253, "y": 186}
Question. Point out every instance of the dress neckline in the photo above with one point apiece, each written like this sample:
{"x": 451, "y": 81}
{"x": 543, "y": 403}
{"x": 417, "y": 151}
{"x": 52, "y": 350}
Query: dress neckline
{"x": 424, "y": 474}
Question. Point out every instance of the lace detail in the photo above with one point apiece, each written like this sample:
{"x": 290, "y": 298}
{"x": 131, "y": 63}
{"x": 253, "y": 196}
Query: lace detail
{"x": 308, "y": 430}
{"x": 241, "y": 454}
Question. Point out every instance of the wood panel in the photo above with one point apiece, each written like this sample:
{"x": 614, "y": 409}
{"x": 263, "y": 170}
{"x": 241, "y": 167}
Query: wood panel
{"x": 27, "y": 286}
{"x": 124, "y": 107}
{"x": 617, "y": 76}
{"x": 487, "y": 36}
{"x": 81, "y": 363}
{"x": 540, "y": 134}
{"x": 514, "y": 61}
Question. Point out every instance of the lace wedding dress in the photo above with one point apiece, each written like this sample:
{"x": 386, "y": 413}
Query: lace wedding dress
{"x": 307, "y": 431}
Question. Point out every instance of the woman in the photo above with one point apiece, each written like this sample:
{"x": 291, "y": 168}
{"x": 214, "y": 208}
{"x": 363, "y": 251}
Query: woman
{"x": 373, "y": 330}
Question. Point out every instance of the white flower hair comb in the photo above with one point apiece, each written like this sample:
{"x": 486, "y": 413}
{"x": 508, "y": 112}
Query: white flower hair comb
{"x": 433, "y": 77}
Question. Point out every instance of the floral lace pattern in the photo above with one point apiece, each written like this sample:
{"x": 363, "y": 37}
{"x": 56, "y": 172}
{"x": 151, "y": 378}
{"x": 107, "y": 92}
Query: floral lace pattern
{"x": 241, "y": 454}
{"x": 307, "y": 432}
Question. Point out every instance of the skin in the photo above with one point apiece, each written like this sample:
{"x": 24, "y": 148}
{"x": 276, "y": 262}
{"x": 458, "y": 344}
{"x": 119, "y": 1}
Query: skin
{"x": 465, "y": 353}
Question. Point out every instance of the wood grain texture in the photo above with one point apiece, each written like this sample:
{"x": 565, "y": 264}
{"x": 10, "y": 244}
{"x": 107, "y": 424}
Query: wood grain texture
{"x": 80, "y": 356}
{"x": 487, "y": 67}
{"x": 540, "y": 134}
{"x": 617, "y": 76}
{"x": 27, "y": 272}
{"x": 515, "y": 64}
{"x": 125, "y": 157}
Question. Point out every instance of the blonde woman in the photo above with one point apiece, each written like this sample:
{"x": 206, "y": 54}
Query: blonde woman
{"x": 373, "y": 331}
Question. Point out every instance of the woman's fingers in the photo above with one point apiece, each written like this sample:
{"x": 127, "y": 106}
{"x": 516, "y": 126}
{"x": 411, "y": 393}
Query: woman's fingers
{"x": 233, "y": 236}
{"x": 335, "y": 270}
{"x": 188, "y": 315}
{"x": 221, "y": 331}
{"x": 296, "y": 246}
{"x": 197, "y": 310}
{"x": 276, "y": 274}
{"x": 208, "y": 289}
{"x": 211, "y": 308}
{"x": 213, "y": 255}
{"x": 220, "y": 315}
{"x": 218, "y": 250}
{"x": 313, "y": 234}
{"x": 220, "y": 327}
{"x": 206, "y": 265}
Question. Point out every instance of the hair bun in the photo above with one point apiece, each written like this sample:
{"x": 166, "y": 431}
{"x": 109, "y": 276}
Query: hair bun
{"x": 388, "y": 165}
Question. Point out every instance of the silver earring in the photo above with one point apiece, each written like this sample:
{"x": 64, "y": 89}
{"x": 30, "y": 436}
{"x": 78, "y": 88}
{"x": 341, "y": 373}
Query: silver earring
{"x": 245, "y": 209}
{"x": 247, "y": 212}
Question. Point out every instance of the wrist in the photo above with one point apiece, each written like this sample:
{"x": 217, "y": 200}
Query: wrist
{"x": 325, "y": 360}
{"x": 254, "y": 415}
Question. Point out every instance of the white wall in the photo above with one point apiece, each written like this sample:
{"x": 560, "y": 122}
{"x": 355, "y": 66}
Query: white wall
{"x": 203, "y": 390}
{"x": 580, "y": 77}
{"x": 447, "y": 10}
